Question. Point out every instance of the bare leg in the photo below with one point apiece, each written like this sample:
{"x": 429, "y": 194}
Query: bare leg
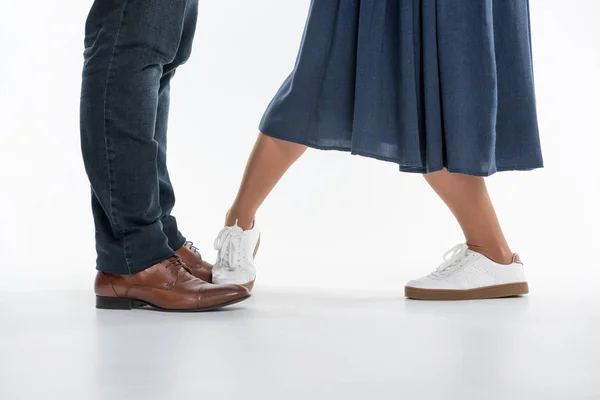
{"x": 270, "y": 159}
{"x": 468, "y": 199}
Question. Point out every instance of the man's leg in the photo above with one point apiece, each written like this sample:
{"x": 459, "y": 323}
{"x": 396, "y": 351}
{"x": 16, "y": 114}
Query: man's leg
{"x": 128, "y": 44}
{"x": 189, "y": 254}
{"x": 167, "y": 196}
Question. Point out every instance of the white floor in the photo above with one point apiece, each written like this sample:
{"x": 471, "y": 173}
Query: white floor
{"x": 291, "y": 345}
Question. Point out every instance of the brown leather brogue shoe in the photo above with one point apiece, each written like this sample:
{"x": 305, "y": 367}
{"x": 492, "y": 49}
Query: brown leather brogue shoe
{"x": 191, "y": 257}
{"x": 167, "y": 285}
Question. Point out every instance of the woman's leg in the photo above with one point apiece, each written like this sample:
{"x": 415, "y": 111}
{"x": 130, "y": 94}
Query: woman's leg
{"x": 468, "y": 199}
{"x": 269, "y": 160}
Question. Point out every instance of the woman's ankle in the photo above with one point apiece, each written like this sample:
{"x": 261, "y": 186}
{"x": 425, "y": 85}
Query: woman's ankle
{"x": 243, "y": 220}
{"x": 498, "y": 254}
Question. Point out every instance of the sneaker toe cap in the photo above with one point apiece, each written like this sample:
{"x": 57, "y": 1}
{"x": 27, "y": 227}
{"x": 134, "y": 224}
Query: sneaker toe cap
{"x": 418, "y": 283}
{"x": 430, "y": 283}
{"x": 232, "y": 278}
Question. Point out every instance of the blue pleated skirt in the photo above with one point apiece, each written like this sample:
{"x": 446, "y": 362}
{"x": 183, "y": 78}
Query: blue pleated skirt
{"x": 427, "y": 84}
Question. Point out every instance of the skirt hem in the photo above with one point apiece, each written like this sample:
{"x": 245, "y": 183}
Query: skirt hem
{"x": 417, "y": 169}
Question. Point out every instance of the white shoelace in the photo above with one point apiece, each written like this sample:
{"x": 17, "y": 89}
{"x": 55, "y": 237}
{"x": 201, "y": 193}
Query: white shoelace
{"x": 453, "y": 259}
{"x": 229, "y": 245}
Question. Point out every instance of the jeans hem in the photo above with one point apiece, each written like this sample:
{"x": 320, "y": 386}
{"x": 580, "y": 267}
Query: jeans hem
{"x": 130, "y": 269}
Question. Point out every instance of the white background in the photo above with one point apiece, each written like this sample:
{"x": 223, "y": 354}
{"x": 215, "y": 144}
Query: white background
{"x": 335, "y": 222}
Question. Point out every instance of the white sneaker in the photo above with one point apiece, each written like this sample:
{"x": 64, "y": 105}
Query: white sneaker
{"x": 235, "y": 261}
{"x": 468, "y": 275}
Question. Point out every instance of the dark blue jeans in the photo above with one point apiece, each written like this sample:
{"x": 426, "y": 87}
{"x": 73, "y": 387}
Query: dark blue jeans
{"x": 132, "y": 49}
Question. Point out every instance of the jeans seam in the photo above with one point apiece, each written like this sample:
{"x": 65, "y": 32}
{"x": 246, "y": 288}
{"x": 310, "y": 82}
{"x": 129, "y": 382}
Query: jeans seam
{"x": 127, "y": 252}
{"x": 107, "y": 142}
